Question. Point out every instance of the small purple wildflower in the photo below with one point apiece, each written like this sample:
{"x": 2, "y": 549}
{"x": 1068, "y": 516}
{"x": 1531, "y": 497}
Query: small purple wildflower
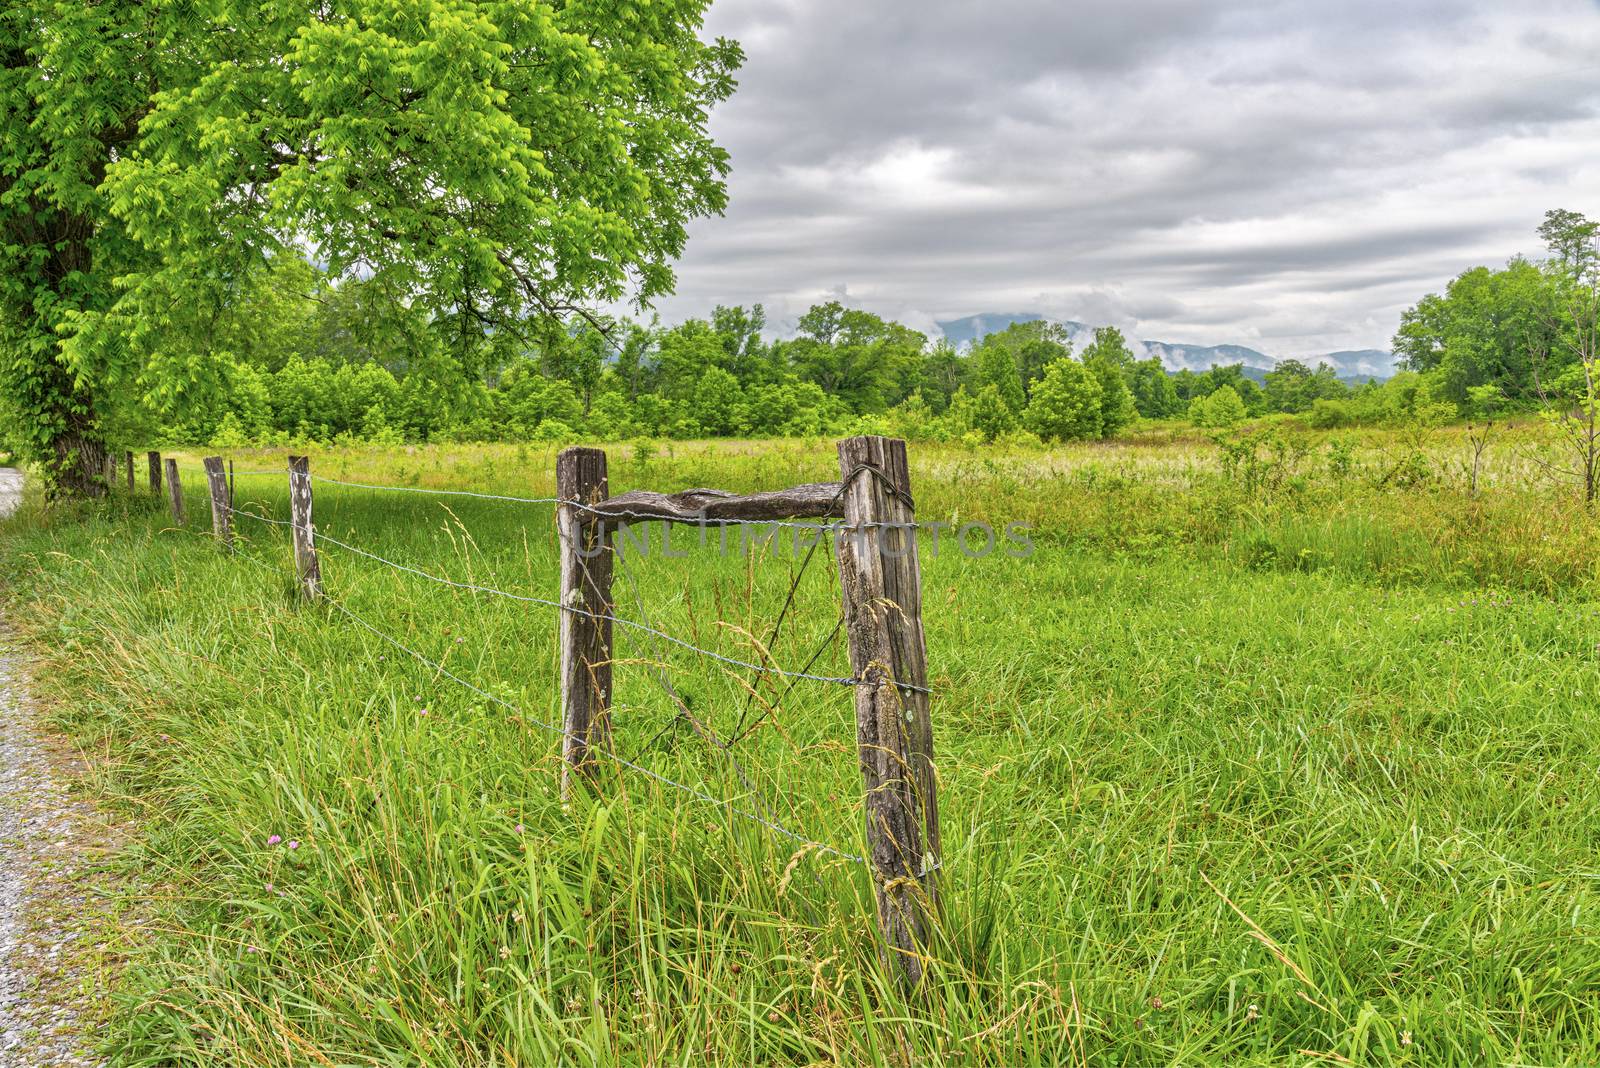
{"x": 519, "y": 828}
{"x": 293, "y": 844}
{"x": 273, "y": 839}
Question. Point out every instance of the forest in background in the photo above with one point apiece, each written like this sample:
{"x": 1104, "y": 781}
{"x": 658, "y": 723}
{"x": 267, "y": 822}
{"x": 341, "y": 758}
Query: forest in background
{"x": 302, "y": 356}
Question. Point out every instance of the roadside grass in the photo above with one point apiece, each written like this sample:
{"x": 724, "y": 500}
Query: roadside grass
{"x": 1304, "y": 771}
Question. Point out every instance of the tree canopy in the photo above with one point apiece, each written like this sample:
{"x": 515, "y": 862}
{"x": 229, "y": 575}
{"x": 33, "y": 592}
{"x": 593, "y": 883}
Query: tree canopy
{"x": 481, "y": 165}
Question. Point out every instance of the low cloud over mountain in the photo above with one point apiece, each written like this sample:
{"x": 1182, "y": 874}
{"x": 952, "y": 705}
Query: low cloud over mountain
{"x": 1175, "y": 356}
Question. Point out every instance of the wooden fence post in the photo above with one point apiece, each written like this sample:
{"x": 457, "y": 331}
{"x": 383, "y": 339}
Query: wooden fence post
{"x": 585, "y": 620}
{"x": 305, "y": 546}
{"x": 129, "y": 456}
{"x": 175, "y": 491}
{"x": 154, "y": 459}
{"x": 111, "y": 471}
{"x": 882, "y": 591}
{"x": 221, "y": 517}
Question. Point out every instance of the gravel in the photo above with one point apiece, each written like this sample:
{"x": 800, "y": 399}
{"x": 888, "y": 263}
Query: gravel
{"x": 10, "y": 490}
{"x": 51, "y": 843}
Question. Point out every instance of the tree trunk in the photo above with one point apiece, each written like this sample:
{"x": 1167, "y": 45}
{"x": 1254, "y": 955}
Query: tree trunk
{"x": 76, "y": 463}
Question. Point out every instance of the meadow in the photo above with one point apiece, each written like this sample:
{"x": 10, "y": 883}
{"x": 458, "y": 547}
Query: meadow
{"x": 1285, "y": 750}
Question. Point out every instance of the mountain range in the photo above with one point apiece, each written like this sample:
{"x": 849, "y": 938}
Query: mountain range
{"x": 1353, "y": 365}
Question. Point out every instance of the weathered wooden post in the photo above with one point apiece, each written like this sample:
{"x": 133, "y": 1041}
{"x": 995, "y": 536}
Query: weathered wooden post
{"x": 882, "y": 591}
{"x": 154, "y": 459}
{"x": 221, "y": 517}
{"x": 305, "y": 546}
{"x": 585, "y": 623}
{"x": 129, "y": 456}
{"x": 111, "y": 470}
{"x": 175, "y": 491}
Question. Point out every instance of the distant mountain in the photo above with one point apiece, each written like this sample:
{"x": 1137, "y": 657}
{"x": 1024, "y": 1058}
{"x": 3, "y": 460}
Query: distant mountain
{"x": 961, "y": 332}
{"x": 1354, "y": 366}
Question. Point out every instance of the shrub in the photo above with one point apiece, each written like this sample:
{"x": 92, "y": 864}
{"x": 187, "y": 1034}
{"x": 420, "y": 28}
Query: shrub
{"x": 1217, "y": 410}
{"x": 1066, "y": 403}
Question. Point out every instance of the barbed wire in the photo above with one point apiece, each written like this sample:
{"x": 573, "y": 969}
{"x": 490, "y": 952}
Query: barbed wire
{"x": 728, "y": 806}
{"x": 473, "y": 587}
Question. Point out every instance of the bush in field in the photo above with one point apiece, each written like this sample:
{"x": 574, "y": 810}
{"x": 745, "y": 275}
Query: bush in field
{"x": 1330, "y": 414}
{"x": 1066, "y": 403}
{"x": 1221, "y": 409}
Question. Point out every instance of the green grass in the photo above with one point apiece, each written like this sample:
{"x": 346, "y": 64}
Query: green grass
{"x": 1226, "y": 777}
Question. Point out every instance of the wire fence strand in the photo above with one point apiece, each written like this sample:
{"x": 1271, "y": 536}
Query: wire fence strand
{"x": 473, "y": 587}
{"x": 692, "y": 791}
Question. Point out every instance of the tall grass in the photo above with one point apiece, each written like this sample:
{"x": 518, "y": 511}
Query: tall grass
{"x": 1226, "y": 775}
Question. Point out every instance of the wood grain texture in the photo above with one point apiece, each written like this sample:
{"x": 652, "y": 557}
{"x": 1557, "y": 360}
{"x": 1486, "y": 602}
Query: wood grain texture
{"x": 585, "y": 633}
{"x": 221, "y": 518}
{"x": 882, "y": 590}
{"x": 154, "y": 459}
{"x": 175, "y": 491}
{"x": 812, "y": 500}
{"x": 307, "y": 566}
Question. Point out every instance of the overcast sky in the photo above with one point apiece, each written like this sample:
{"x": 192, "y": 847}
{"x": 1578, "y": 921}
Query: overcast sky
{"x": 1285, "y": 175}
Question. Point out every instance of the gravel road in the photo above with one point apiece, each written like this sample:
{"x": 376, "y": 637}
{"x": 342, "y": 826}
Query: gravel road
{"x": 49, "y": 842}
{"x": 10, "y": 490}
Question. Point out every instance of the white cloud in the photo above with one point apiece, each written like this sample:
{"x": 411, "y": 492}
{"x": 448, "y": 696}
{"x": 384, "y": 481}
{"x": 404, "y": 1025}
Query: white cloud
{"x": 1288, "y": 175}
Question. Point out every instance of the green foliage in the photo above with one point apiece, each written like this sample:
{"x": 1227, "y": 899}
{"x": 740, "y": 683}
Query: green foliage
{"x": 1117, "y": 408}
{"x": 1154, "y": 393}
{"x": 1291, "y": 386}
{"x": 1217, "y": 410}
{"x": 1032, "y": 347}
{"x": 996, "y": 369}
{"x": 1066, "y": 404}
{"x": 479, "y": 166}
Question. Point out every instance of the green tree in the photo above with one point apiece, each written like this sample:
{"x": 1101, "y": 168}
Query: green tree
{"x": 991, "y": 415}
{"x": 1111, "y": 346}
{"x": 1155, "y": 394}
{"x": 1570, "y": 237}
{"x": 1109, "y": 362}
{"x": 1066, "y": 403}
{"x": 1033, "y": 345}
{"x": 865, "y": 361}
{"x": 487, "y": 162}
{"x": 1218, "y": 410}
{"x": 996, "y": 365}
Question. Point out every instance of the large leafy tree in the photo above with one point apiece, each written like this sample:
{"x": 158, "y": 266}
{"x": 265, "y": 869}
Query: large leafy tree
{"x": 489, "y": 162}
{"x": 1066, "y": 402}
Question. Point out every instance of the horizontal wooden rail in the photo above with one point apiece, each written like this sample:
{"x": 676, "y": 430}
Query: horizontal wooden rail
{"x": 814, "y": 500}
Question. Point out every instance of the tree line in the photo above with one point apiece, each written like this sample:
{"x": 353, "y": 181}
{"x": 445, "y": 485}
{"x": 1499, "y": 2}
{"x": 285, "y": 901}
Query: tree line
{"x": 302, "y": 354}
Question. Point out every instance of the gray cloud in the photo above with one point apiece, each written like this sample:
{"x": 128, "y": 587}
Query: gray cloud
{"x": 1287, "y": 175}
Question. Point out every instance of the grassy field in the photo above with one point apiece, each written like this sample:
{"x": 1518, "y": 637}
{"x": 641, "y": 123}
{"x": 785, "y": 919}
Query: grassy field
{"x": 1288, "y": 756}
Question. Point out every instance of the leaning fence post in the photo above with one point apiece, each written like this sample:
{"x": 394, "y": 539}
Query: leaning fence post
{"x": 129, "y": 456}
{"x": 217, "y": 482}
{"x": 305, "y": 547}
{"x": 175, "y": 491}
{"x": 585, "y": 619}
{"x": 154, "y": 459}
{"x": 881, "y": 585}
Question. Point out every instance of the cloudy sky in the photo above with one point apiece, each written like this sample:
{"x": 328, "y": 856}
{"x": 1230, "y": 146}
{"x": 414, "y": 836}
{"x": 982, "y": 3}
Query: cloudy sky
{"x": 1285, "y": 175}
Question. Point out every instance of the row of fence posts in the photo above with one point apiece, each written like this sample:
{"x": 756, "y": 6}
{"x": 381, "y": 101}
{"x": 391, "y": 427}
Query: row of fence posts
{"x": 881, "y": 592}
